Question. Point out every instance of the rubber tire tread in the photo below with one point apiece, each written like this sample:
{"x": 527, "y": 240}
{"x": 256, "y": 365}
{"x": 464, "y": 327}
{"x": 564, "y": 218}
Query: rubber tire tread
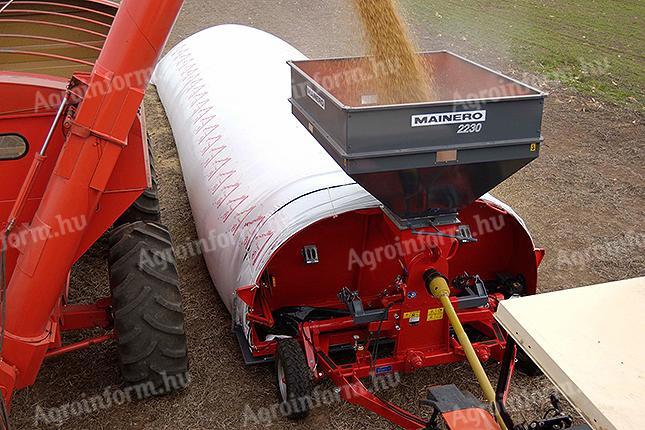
{"x": 298, "y": 376}
{"x": 147, "y": 307}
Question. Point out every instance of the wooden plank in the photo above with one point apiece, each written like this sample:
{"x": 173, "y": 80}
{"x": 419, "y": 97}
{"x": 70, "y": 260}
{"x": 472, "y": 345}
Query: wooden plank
{"x": 590, "y": 342}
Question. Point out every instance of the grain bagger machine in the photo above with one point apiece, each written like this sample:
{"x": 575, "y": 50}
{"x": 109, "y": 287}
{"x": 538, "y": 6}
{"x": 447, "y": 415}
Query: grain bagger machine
{"x": 355, "y": 240}
{"x": 74, "y": 161}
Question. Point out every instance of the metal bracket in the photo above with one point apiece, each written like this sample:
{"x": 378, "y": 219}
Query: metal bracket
{"x": 476, "y": 297}
{"x": 310, "y": 253}
{"x": 356, "y": 309}
{"x": 249, "y": 359}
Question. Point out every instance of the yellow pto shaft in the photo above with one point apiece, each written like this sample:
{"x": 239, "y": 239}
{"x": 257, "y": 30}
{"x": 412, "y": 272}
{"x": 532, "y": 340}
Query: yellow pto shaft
{"x": 438, "y": 287}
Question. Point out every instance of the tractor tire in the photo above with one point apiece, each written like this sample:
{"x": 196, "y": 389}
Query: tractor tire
{"x": 293, "y": 379}
{"x": 525, "y": 364}
{"x": 146, "y": 207}
{"x": 146, "y": 302}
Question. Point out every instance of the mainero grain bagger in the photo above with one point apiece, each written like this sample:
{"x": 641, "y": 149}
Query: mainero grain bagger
{"x": 356, "y": 240}
{"x": 75, "y": 161}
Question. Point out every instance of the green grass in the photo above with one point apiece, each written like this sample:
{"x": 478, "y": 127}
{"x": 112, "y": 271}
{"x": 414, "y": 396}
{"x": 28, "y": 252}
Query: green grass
{"x": 594, "y": 46}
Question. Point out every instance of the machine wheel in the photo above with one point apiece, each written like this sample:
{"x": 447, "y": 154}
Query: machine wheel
{"x": 525, "y": 365}
{"x": 146, "y": 301}
{"x": 146, "y": 207}
{"x": 293, "y": 378}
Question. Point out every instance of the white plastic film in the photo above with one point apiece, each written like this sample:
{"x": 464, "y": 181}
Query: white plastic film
{"x": 254, "y": 175}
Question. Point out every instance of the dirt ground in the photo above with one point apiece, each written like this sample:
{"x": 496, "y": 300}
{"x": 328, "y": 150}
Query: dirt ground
{"x": 583, "y": 199}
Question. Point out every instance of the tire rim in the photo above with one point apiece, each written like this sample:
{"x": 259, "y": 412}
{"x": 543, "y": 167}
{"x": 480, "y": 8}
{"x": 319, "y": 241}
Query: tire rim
{"x": 282, "y": 381}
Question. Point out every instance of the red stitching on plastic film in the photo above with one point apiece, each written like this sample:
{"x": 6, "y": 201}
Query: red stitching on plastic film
{"x": 192, "y": 86}
{"x": 198, "y": 97}
{"x": 187, "y": 66}
{"x": 206, "y": 162}
{"x": 230, "y": 212}
{"x": 211, "y": 141}
{"x": 246, "y": 213}
{"x": 204, "y": 122}
{"x": 213, "y": 152}
{"x": 256, "y": 254}
{"x": 210, "y": 129}
{"x": 226, "y": 176}
{"x": 190, "y": 78}
{"x": 187, "y": 85}
{"x": 203, "y": 119}
{"x": 222, "y": 163}
{"x": 200, "y": 100}
{"x": 203, "y": 110}
{"x": 233, "y": 187}
{"x": 250, "y": 233}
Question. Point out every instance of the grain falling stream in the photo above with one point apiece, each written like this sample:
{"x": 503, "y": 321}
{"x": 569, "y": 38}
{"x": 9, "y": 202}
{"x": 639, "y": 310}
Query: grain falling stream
{"x": 408, "y": 79}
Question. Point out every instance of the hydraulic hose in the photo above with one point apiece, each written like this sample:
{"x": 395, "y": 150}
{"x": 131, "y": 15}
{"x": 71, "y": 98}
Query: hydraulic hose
{"x": 438, "y": 287}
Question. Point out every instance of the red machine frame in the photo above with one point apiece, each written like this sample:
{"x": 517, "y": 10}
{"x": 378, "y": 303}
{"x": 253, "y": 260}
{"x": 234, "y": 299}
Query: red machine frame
{"x": 68, "y": 190}
{"x": 397, "y": 285}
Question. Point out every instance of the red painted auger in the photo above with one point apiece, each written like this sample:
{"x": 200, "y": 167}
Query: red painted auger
{"x": 74, "y": 161}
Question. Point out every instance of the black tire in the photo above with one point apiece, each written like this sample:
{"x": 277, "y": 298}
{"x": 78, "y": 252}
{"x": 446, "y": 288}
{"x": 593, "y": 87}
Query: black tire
{"x": 146, "y": 301}
{"x": 293, "y": 379}
{"x": 525, "y": 365}
{"x": 146, "y": 207}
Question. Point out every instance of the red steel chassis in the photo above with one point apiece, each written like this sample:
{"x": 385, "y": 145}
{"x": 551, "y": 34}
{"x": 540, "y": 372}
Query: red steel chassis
{"x": 416, "y": 324}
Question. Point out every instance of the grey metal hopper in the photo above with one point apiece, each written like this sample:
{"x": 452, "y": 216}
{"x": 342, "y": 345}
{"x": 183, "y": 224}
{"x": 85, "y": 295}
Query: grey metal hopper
{"x": 421, "y": 159}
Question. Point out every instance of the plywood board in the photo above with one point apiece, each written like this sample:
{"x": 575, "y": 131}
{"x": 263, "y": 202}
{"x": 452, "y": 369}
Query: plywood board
{"x": 590, "y": 342}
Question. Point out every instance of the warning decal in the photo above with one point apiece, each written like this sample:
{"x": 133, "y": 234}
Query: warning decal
{"x": 414, "y": 316}
{"x": 435, "y": 314}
